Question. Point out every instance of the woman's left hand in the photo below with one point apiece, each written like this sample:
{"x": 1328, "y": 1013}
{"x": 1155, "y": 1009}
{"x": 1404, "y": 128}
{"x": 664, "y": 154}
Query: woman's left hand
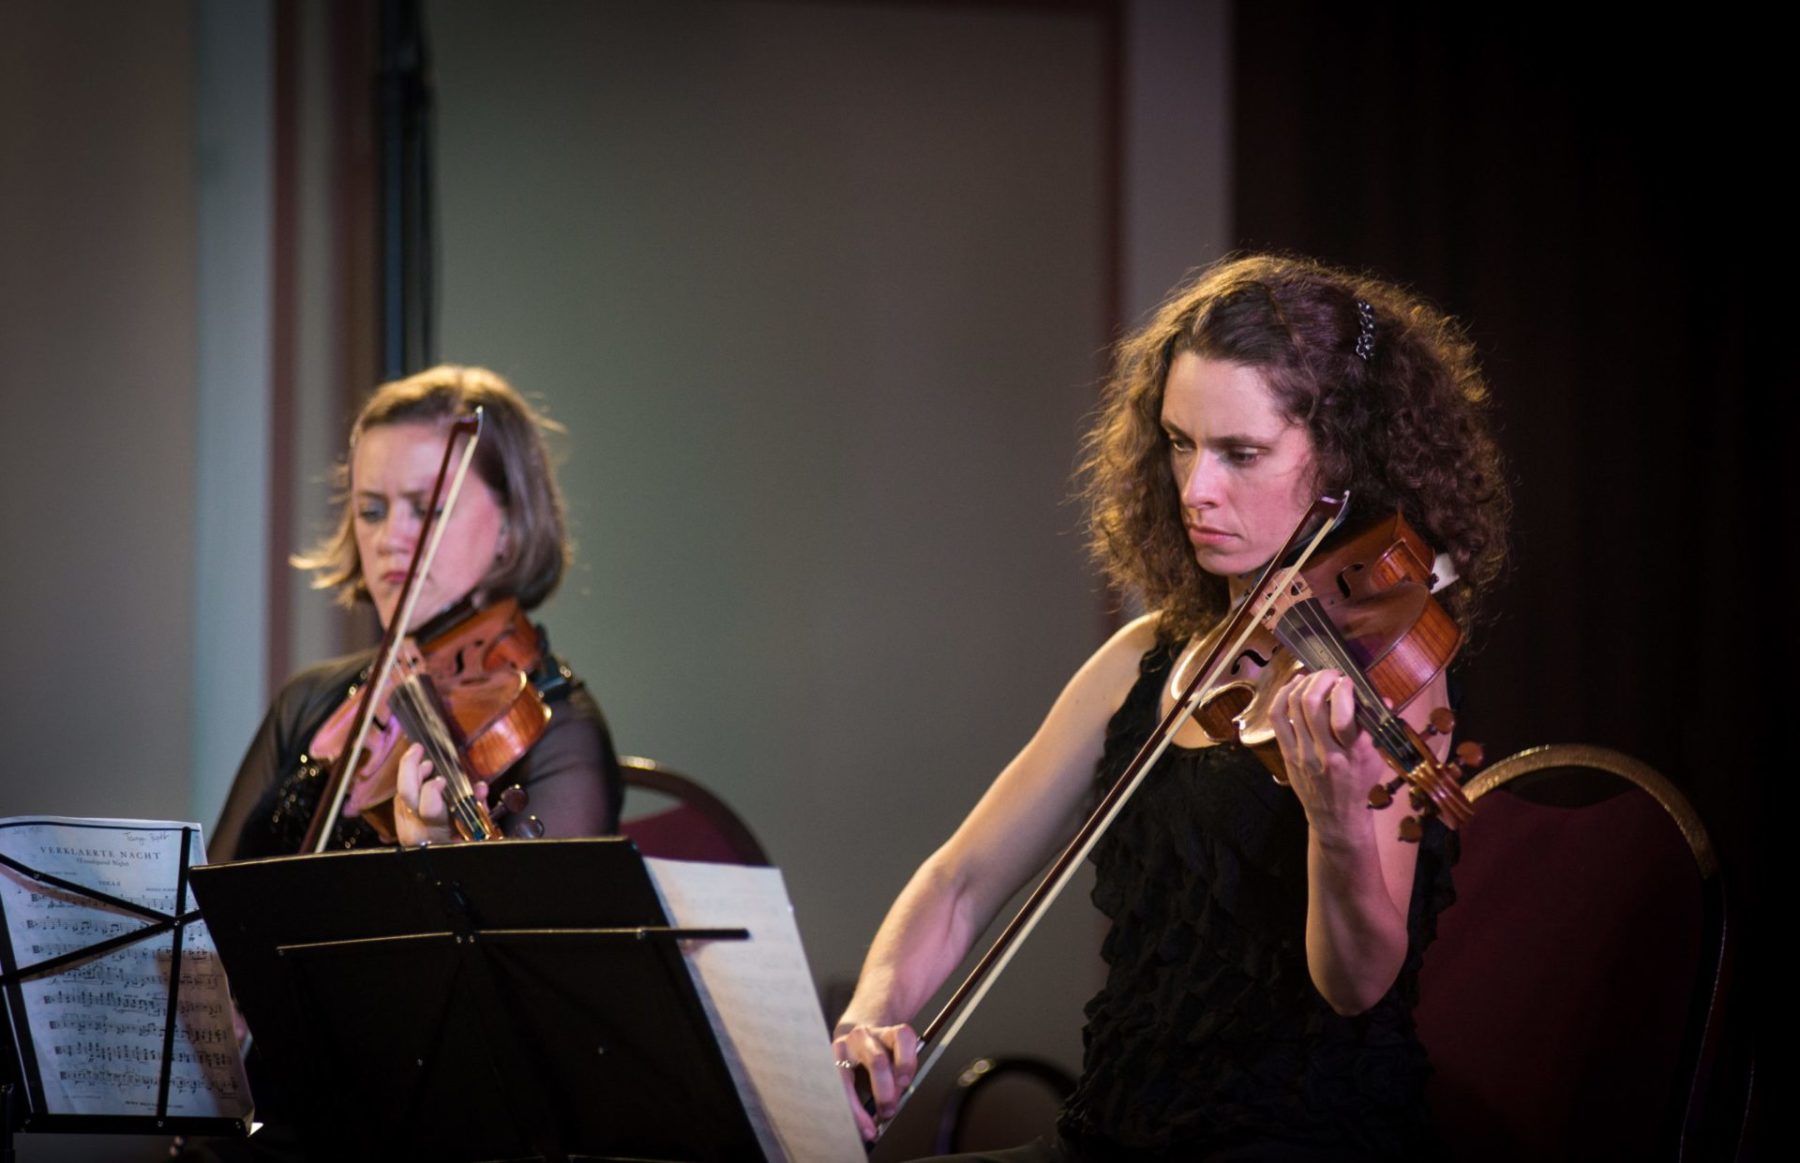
{"x": 1330, "y": 762}
{"x": 420, "y": 813}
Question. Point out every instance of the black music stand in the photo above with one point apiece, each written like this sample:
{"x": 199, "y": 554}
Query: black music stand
{"x": 23, "y": 1105}
{"x": 515, "y": 1000}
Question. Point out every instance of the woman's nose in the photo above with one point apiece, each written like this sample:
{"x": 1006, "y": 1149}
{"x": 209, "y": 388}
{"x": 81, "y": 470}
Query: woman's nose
{"x": 1200, "y": 488}
{"x": 400, "y": 529}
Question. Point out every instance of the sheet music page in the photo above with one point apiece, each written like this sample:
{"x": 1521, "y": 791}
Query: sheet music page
{"x": 96, "y": 1025}
{"x": 759, "y": 996}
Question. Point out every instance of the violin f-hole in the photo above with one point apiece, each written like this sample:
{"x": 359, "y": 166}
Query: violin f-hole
{"x": 1237, "y": 663}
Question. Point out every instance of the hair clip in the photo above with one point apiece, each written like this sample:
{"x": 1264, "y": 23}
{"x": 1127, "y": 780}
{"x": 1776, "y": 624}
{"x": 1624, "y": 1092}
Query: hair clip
{"x": 1365, "y": 334}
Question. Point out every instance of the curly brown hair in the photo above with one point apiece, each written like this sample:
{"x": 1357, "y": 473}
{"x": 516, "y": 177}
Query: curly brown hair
{"x": 1405, "y": 428}
{"x": 511, "y": 460}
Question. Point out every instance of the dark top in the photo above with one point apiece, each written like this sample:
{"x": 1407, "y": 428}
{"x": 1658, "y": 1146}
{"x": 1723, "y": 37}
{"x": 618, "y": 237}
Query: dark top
{"x": 571, "y": 775}
{"x": 1209, "y": 1033}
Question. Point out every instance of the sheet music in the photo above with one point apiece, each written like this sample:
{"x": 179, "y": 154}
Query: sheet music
{"x": 96, "y": 1025}
{"x": 759, "y": 997}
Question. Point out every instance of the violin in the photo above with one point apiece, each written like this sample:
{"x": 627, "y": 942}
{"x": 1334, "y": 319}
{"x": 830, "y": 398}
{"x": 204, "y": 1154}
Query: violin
{"x": 462, "y": 691}
{"x": 1364, "y": 608}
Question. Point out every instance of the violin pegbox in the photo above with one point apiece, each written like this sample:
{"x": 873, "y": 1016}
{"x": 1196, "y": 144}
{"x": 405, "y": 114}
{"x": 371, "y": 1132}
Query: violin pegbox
{"x": 1433, "y": 788}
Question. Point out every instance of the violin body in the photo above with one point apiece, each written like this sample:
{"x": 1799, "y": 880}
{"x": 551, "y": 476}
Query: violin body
{"x": 480, "y": 667}
{"x": 1375, "y": 587}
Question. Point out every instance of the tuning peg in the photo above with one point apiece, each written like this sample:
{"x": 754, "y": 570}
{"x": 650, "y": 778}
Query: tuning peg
{"x": 528, "y": 828}
{"x": 513, "y": 800}
{"x": 1411, "y": 831}
{"x": 1470, "y": 754}
{"x": 1441, "y": 722}
{"x": 1382, "y": 794}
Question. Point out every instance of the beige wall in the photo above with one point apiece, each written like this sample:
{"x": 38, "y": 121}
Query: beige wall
{"x": 822, "y": 293}
{"x": 97, "y": 351}
{"x": 98, "y": 266}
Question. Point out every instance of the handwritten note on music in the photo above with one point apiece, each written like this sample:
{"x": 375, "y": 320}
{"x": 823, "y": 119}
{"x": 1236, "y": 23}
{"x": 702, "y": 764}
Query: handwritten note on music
{"x": 95, "y": 1028}
{"x": 759, "y": 996}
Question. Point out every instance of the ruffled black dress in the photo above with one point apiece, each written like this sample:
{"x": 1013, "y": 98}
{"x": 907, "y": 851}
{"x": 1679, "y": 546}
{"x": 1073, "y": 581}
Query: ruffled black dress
{"x": 1209, "y": 1036}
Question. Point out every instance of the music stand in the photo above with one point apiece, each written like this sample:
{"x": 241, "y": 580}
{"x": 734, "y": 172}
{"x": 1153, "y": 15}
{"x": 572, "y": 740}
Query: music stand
{"x": 105, "y": 997}
{"x": 519, "y": 1000}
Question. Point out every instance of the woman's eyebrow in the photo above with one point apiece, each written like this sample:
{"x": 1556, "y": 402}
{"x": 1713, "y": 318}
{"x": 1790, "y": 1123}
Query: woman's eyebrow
{"x": 1233, "y": 439}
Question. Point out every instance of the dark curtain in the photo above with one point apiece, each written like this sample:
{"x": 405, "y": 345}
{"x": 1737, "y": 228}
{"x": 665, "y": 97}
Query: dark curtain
{"x": 1580, "y": 197}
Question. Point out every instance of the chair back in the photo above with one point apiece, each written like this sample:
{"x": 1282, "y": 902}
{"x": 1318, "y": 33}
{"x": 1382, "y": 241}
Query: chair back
{"x": 1572, "y": 1001}
{"x": 1019, "y": 1094}
{"x": 698, "y": 826}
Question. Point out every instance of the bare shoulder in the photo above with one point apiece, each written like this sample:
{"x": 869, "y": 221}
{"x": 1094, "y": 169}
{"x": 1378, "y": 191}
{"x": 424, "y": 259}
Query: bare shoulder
{"x": 1039, "y": 798}
{"x": 1076, "y": 725}
{"x": 1110, "y": 671}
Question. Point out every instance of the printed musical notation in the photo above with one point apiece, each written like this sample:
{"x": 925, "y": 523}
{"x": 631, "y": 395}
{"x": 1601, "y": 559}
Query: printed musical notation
{"x": 97, "y": 1024}
{"x": 95, "y": 1050}
{"x": 758, "y": 995}
{"x": 192, "y": 1010}
{"x": 129, "y": 1080}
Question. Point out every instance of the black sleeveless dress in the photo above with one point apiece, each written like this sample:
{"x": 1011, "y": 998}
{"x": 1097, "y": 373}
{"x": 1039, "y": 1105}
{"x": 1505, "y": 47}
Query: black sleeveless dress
{"x": 1209, "y": 1036}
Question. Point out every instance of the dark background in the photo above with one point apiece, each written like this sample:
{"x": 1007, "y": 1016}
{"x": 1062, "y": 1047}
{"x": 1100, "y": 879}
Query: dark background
{"x": 1578, "y": 203}
{"x": 1581, "y": 197}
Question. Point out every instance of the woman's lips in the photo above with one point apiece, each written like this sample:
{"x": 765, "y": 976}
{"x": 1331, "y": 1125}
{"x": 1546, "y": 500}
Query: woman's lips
{"x": 1206, "y": 535}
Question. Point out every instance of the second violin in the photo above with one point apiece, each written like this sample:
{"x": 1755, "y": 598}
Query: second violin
{"x": 462, "y": 690}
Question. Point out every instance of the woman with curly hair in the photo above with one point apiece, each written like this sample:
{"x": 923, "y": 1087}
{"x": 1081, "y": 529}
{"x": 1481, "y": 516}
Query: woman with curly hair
{"x": 1265, "y": 942}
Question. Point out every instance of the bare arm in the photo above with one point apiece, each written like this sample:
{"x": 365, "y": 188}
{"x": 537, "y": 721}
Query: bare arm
{"x": 1359, "y": 873}
{"x": 1030, "y": 811}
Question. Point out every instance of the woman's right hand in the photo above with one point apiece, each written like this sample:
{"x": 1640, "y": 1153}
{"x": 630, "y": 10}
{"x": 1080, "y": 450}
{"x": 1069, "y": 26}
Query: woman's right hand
{"x": 888, "y": 1056}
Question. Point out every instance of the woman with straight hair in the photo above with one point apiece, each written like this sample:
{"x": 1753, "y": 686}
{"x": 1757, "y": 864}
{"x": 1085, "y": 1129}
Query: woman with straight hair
{"x": 502, "y": 553}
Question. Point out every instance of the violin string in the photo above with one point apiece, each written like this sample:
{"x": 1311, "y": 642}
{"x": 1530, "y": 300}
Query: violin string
{"x": 428, "y": 727}
{"x": 1320, "y": 645}
{"x": 1318, "y": 631}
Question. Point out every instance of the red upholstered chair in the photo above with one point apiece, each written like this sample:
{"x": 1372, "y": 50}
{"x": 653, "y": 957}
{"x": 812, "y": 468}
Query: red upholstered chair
{"x": 1573, "y": 1001}
{"x": 696, "y": 825}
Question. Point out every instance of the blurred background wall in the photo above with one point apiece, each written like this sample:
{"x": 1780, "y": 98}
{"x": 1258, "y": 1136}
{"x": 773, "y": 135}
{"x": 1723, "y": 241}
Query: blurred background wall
{"x": 822, "y": 293}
